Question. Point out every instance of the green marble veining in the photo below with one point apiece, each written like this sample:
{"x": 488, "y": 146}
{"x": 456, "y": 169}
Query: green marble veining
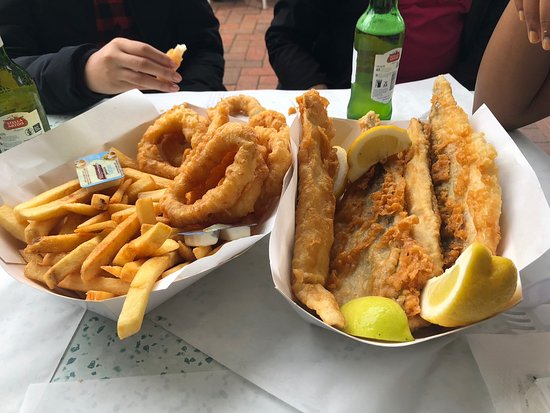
{"x": 95, "y": 352}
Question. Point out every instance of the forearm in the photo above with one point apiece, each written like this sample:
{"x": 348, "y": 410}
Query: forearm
{"x": 513, "y": 79}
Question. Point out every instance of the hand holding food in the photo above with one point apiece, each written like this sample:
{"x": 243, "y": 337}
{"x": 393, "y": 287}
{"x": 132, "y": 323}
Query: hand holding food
{"x": 124, "y": 64}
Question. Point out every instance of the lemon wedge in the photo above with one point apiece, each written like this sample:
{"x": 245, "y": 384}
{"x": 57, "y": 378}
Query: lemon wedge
{"x": 476, "y": 287}
{"x": 340, "y": 179}
{"x": 376, "y": 317}
{"x": 375, "y": 145}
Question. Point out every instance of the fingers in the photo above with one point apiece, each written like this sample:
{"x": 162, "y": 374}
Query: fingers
{"x": 519, "y": 8}
{"x": 532, "y": 20}
{"x": 545, "y": 23}
{"x": 143, "y": 81}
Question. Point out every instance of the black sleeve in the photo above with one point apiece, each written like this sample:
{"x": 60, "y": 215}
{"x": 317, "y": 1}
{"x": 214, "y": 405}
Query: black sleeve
{"x": 290, "y": 41}
{"x": 58, "y": 76}
{"x": 203, "y": 63}
{"x": 478, "y": 28}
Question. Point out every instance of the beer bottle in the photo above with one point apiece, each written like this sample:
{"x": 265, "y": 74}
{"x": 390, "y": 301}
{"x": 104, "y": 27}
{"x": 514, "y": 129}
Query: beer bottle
{"x": 378, "y": 42}
{"x": 22, "y": 116}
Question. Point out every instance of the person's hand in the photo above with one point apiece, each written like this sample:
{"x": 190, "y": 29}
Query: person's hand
{"x": 536, "y": 15}
{"x": 124, "y": 64}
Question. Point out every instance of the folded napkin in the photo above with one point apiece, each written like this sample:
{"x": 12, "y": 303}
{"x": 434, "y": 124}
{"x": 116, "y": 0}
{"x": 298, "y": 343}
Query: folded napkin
{"x": 516, "y": 370}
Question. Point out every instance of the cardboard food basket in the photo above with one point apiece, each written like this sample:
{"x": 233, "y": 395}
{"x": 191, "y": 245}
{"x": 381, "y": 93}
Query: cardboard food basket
{"x": 525, "y": 213}
{"x": 48, "y": 161}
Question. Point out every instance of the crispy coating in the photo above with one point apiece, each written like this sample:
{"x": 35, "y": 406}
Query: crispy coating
{"x": 313, "y": 237}
{"x": 464, "y": 176}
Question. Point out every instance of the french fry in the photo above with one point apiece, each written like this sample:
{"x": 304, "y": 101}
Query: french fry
{"x": 133, "y": 309}
{"x": 167, "y": 246}
{"x": 112, "y": 269}
{"x": 186, "y": 252}
{"x": 130, "y": 269}
{"x": 10, "y": 223}
{"x": 145, "y": 211}
{"x": 124, "y": 160}
{"x": 58, "y": 243}
{"x": 121, "y": 216}
{"x": 108, "y": 247}
{"x": 52, "y": 258}
{"x": 37, "y": 229}
{"x": 101, "y": 217}
{"x": 35, "y": 271}
{"x": 136, "y": 174}
{"x": 173, "y": 269}
{"x": 124, "y": 255}
{"x": 81, "y": 209}
{"x": 100, "y": 201}
{"x": 72, "y": 262}
{"x": 155, "y": 195}
{"x": 201, "y": 252}
{"x": 54, "y": 208}
{"x": 47, "y": 196}
{"x": 145, "y": 183}
{"x": 97, "y": 227}
{"x": 95, "y": 295}
{"x": 116, "y": 198}
{"x": 145, "y": 245}
{"x": 76, "y": 283}
{"x": 114, "y": 208}
{"x": 31, "y": 256}
{"x": 70, "y": 222}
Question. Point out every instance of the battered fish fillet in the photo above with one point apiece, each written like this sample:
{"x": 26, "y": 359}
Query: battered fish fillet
{"x": 387, "y": 231}
{"x": 317, "y": 163}
{"x": 464, "y": 176}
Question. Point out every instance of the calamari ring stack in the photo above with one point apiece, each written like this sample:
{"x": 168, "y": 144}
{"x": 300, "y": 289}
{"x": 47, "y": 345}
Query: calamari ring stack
{"x": 220, "y": 181}
{"x": 169, "y": 139}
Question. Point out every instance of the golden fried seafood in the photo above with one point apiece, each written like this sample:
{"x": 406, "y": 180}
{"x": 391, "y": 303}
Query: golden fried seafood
{"x": 313, "y": 238}
{"x": 220, "y": 181}
{"x": 274, "y": 134}
{"x": 168, "y": 140}
{"x": 232, "y": 106}
{"x": 381, "y": 246}
{"x": 464, "y": 176}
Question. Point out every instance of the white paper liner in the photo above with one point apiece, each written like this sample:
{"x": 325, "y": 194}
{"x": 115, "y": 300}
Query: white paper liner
{"x": 47, "y": 161}
{"x": 520, "y": 219}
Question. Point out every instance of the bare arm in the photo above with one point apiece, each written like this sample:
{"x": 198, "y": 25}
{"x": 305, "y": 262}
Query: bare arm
{"x": 513, "y": 79}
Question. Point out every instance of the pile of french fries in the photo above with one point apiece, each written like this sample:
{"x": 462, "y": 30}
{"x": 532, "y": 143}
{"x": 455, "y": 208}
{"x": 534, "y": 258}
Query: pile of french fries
{"x": 100, "y": 243}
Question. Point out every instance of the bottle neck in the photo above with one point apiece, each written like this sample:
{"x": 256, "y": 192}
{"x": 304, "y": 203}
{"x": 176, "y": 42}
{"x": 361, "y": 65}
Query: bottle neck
{"x": 382, "y": 6}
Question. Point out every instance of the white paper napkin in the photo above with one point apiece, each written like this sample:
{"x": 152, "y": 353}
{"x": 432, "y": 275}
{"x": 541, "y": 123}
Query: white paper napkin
{"x": 35, "y": 329}
{"x": 217, "y": 391}
{"x": 516, "y": 370}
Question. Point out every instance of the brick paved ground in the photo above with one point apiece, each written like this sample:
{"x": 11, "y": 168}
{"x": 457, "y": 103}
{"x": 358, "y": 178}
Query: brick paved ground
{"x": 243, "y": 25}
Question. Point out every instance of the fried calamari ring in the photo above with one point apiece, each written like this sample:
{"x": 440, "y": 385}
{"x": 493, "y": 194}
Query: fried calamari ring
{"x": 168, "y": 140}
{"x": 220, "y": 182}
{"x": 274, "y": 134}
{"x": 240, "y": 105}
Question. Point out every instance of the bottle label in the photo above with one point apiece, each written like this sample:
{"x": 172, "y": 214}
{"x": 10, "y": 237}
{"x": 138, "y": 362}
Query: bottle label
{"x": 19, "y": 127}
{"x": 384, "y": 75}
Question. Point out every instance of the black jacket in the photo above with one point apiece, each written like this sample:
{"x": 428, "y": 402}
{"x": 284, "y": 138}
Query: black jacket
{"x": 310, "y": 41}
{"x": 52, "y": 40}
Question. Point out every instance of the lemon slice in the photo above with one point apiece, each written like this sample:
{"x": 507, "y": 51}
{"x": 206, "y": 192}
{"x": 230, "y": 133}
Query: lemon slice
{"x": 340, "y": 179}
{"x": 376, "y": 317}
{"x": 476, "y": 287}
{"x": 375, "y": 145}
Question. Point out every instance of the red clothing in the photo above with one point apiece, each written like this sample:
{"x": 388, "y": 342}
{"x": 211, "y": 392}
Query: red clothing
{"x": 433, "y": 30}
{"x": 113, "y": 19}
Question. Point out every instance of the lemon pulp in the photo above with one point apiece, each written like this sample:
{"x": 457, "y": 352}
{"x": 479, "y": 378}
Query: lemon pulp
{"x": 476, "y": 287}
{"x": 376, "y": 317}
{"x": 375, "y": 145}
{"x": 340, "y": 178}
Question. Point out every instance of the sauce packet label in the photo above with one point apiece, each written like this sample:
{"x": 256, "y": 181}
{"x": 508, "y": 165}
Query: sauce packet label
{"x": 99, "y": 169}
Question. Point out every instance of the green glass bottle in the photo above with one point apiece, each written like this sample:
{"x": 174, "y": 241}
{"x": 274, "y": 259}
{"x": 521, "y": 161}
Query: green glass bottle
{"x": 22, "y": 116}
{"x": 378, "y": 43}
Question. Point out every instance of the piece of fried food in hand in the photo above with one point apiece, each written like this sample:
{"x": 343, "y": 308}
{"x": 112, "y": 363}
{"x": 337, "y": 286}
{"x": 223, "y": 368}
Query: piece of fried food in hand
{"x": 314, "y": 235}
{"x": 176, "y": 54}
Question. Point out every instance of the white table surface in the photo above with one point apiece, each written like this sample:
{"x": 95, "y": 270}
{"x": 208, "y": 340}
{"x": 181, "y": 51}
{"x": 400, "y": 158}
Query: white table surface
{"x": 240, "y": 369}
